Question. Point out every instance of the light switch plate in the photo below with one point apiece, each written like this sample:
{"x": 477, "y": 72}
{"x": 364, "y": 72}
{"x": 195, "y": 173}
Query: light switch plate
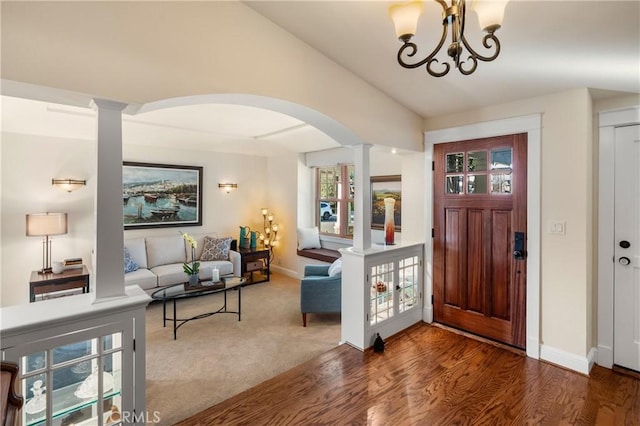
{"x": 557, "y": 227}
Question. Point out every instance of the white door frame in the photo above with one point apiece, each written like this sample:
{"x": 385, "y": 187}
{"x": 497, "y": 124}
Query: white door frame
{"x": 609, "y": 120}
{"x": 532, "y": 125}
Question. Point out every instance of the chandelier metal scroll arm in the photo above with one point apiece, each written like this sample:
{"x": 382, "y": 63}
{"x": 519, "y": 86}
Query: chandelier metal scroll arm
{"x": 429, "y": 60}
{"x": 475, "y": 56}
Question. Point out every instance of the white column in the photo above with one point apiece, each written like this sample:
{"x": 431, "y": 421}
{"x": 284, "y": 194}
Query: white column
{"x": 354, "y": 305}
{"x": 108, "y": 272}
{"x": 362, "y": 198}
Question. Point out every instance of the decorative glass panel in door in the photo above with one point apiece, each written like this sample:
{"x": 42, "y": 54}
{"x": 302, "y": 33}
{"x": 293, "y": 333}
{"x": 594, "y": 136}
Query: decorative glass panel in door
{"x": 382, "y": 285}
{"x": 62, "y": 385}
{"x": 408, "y": 282}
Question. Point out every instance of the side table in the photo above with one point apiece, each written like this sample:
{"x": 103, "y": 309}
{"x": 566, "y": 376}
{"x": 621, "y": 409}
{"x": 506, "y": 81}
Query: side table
{"x": 70, "y": 279}
{"x": 255, "y": 265}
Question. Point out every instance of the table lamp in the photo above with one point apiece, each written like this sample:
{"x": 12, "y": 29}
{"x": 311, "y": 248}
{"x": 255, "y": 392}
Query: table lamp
{"x": 46, "y": 225}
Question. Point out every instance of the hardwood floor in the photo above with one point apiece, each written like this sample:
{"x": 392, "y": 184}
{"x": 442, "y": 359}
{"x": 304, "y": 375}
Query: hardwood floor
{"x": 431, "y": 376}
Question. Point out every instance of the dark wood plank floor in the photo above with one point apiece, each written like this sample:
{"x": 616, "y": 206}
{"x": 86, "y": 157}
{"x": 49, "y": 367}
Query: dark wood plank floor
{"x": 431, "y": 376}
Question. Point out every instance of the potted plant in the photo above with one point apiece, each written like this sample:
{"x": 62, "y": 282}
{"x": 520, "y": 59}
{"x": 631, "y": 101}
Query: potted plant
{"x": 191, "y": 268}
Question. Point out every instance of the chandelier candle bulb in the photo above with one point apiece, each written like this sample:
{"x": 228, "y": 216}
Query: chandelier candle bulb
{"x": 405, "y": 18}
{"x": 490, "y": 14}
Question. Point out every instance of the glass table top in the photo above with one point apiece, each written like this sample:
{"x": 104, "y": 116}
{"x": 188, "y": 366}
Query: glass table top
{"x": 184, "y": 290}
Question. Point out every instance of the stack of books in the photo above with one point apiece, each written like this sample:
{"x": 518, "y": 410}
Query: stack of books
{"x": 72, "y": 263}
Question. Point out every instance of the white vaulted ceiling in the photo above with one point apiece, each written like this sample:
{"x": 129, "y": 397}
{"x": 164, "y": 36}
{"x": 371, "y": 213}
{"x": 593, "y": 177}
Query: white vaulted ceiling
{"x": 547, "y": 46}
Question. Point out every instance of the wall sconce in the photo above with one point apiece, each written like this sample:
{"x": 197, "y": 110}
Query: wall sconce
{"x": 45, "y": 225}
{"x": 68, "y": 184}
{"x": 269, "y": 238}
{"x": 228, "y": 186}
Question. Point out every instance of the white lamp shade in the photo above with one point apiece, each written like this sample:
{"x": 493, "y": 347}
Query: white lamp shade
{"x": 43, "y": 224}
{"x": 405, "y": 17}
{"x": 490, "y": 12}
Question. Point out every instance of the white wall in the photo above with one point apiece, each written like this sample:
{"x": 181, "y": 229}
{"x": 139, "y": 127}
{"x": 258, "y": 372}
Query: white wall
{"x": 413, "y": 198}
{"x": 29, "y": 163}
{"x": 282, "y": 176}
{"x": 305, "y": 210}
{"x": 383, "y": 163}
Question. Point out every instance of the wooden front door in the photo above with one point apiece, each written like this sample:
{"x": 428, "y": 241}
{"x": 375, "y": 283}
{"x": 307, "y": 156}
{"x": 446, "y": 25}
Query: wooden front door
{"x": 480, "y": 219}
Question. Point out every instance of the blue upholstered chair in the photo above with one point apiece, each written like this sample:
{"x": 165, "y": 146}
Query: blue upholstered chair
{"x": 319, "y": 292}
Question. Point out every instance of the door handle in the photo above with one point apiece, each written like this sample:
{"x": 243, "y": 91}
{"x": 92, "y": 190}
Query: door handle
{"x": 519, "y": 253}
{"x": 624, "y": 261}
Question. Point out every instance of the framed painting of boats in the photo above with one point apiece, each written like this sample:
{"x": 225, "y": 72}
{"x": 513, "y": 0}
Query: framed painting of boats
{"x": 161, "y": 195}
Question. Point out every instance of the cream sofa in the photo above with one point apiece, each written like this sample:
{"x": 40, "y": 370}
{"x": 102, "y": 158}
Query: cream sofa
{"x": 160, "y": 261}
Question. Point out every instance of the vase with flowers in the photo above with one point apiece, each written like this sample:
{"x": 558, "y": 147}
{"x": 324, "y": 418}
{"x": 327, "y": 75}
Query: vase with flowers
{"x": 191, "y": 268}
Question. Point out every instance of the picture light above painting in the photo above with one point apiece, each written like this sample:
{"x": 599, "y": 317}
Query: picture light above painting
{"x": 161, "y": 195}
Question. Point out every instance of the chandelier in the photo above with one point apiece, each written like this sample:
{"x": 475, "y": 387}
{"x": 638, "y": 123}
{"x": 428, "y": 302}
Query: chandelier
{"x": 490, "y": 13}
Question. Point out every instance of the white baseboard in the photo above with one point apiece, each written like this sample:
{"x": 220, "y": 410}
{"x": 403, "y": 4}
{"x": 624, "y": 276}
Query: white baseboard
{"x": 533, "y": 348}
{"x": 604, "y": 356}
{"x": 568, "y": 360}
{"x": 283, "y": 271}
{"x": 591, "y": 357}
{"x": 427, "y": 313}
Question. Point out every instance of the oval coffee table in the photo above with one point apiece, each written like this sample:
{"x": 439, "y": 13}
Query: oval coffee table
{"x": 177, "y": 292}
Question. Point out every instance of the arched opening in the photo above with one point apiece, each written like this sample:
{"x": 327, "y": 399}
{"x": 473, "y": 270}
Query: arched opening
{"x": 322, "y": 122}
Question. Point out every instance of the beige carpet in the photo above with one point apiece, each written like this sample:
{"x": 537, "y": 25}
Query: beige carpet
{"x": 217, "y": 357}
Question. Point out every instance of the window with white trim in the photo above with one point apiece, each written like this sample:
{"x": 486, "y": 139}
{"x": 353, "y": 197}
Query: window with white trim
{"x": 334, "y": 200}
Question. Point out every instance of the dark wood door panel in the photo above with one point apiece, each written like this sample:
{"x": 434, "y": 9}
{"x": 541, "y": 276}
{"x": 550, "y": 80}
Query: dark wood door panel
{"x": 453, "y": 256}
{"x": 493, "y": 328}
{"x": 500, "y": 264}
{"x": 475, "y": 265}
{"x": 478, "y": 286}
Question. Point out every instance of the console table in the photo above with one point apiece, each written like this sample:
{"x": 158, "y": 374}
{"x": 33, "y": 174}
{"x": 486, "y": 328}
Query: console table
{"x": 255, "y": 265}
{"x": 70, "y": 279}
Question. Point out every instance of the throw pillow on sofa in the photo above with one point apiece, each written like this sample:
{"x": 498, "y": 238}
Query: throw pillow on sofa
{"x": 130, "y": 265}
{"x": 216, "y": 248}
